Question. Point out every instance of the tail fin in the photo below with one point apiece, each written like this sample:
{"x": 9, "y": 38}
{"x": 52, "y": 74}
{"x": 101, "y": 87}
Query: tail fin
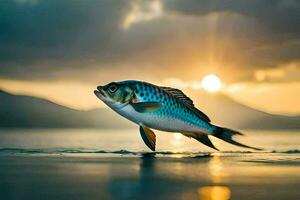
{"x": 227, "y": 134}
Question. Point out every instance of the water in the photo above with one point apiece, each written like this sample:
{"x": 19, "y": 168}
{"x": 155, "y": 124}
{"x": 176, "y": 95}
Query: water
{"x": 97, "y": 141}
{"x": 115, "y": 164}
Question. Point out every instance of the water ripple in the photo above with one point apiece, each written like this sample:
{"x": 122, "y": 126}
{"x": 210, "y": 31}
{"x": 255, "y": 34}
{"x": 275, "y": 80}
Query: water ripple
{"x": 126, "y": 152}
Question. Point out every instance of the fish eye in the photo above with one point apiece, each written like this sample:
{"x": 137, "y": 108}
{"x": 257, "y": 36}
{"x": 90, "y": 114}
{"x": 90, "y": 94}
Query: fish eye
{"x": 112, "y": 88}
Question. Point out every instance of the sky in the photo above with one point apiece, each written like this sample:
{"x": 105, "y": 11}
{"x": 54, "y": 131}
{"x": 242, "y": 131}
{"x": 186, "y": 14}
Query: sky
{"x": 62, "y": 49}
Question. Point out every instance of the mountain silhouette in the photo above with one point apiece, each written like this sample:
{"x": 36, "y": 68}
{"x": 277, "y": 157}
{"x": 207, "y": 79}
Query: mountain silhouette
{"x": 224, "y": 111}
{"x": 19, "y": 111}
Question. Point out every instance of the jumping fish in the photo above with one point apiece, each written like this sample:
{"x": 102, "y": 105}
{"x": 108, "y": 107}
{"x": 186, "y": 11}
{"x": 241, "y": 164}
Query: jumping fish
{"x": 162, "y": 108}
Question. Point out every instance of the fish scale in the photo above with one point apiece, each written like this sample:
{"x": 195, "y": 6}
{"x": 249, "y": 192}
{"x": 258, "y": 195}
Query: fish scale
{"x": 172, "y": 108}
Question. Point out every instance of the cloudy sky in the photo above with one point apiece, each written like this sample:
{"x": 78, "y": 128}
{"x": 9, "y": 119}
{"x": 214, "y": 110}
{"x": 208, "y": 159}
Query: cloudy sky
{"x": 62, "y": 49}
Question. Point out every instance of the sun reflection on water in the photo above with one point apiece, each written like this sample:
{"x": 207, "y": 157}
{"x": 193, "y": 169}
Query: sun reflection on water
{"x": 216, "y": 170}
{"x": 214, "y": 193}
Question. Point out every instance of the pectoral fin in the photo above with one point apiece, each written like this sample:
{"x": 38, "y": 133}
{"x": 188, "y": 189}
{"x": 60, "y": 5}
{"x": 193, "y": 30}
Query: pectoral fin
{"x": 148, "y": 136}
{"x": 201, "y": 137}
{"x": 146, "y": 106}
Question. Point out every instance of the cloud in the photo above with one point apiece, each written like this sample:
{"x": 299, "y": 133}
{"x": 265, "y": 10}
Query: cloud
{"x": 139, "y": 13}
{"x": 30, "y": 2}
{"x": 104, "y": 40}
{"x": 280, "y": 15}
{"x": 286, "y": 73}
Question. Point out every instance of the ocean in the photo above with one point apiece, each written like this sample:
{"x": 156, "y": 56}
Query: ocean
{"x": 116, "y": 164}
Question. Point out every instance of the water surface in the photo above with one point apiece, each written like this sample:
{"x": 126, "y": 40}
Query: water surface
{"x": 115, "y": 164}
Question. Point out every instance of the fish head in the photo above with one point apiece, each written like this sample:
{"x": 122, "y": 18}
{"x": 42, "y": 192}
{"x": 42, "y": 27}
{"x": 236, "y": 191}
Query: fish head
{"x": 115, "y": 94}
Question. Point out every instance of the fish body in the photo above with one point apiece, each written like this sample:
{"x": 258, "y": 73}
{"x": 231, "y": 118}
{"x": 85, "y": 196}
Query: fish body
{"x": 172, "y": 116}
{"x": 161, "y": 108}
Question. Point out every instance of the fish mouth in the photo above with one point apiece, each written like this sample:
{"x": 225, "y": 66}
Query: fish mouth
{"x": 99, "y": 92}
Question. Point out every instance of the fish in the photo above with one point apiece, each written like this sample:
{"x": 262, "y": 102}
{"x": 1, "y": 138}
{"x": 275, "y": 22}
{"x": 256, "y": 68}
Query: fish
{"x": 162, "y": 108}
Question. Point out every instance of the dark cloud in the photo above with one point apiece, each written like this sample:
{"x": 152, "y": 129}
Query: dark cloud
{"x": 60, "y": 25}
{"x": 275, "y": 35}
{"x": 56, "y": 31}
{"x": 72, "y": 39}
{"x": 279, "y": 15}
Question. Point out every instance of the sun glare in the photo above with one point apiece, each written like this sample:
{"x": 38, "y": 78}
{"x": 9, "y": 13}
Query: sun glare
{"x": 177, "y": 136}
{"x": 211, "y": 83}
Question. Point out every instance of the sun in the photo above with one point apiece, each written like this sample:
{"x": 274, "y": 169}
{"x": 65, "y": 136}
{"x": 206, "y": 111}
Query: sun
{"x": 211, "y": 83}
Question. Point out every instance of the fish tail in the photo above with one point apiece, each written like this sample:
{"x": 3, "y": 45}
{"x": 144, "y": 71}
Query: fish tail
{"x": 226, "y": 134}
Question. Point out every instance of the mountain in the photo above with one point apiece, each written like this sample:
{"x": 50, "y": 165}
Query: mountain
{"x": 18, "y": 111}
{"x": 224, "y": 111}
{"x": 30, "y": 112}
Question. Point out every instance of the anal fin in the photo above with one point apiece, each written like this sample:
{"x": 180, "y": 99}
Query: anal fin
{"x": 201, "y": 137}
{"x": 148, "y": 137}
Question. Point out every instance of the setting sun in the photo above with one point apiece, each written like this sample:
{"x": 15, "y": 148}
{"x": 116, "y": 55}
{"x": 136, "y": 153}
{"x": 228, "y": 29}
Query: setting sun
{"x": 211, "y": 83}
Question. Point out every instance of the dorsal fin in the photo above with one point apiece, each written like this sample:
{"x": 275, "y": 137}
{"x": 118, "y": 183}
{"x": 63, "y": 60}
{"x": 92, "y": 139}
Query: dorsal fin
{"x": 187, "y": 101}
{"x": 179, "y": 94}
